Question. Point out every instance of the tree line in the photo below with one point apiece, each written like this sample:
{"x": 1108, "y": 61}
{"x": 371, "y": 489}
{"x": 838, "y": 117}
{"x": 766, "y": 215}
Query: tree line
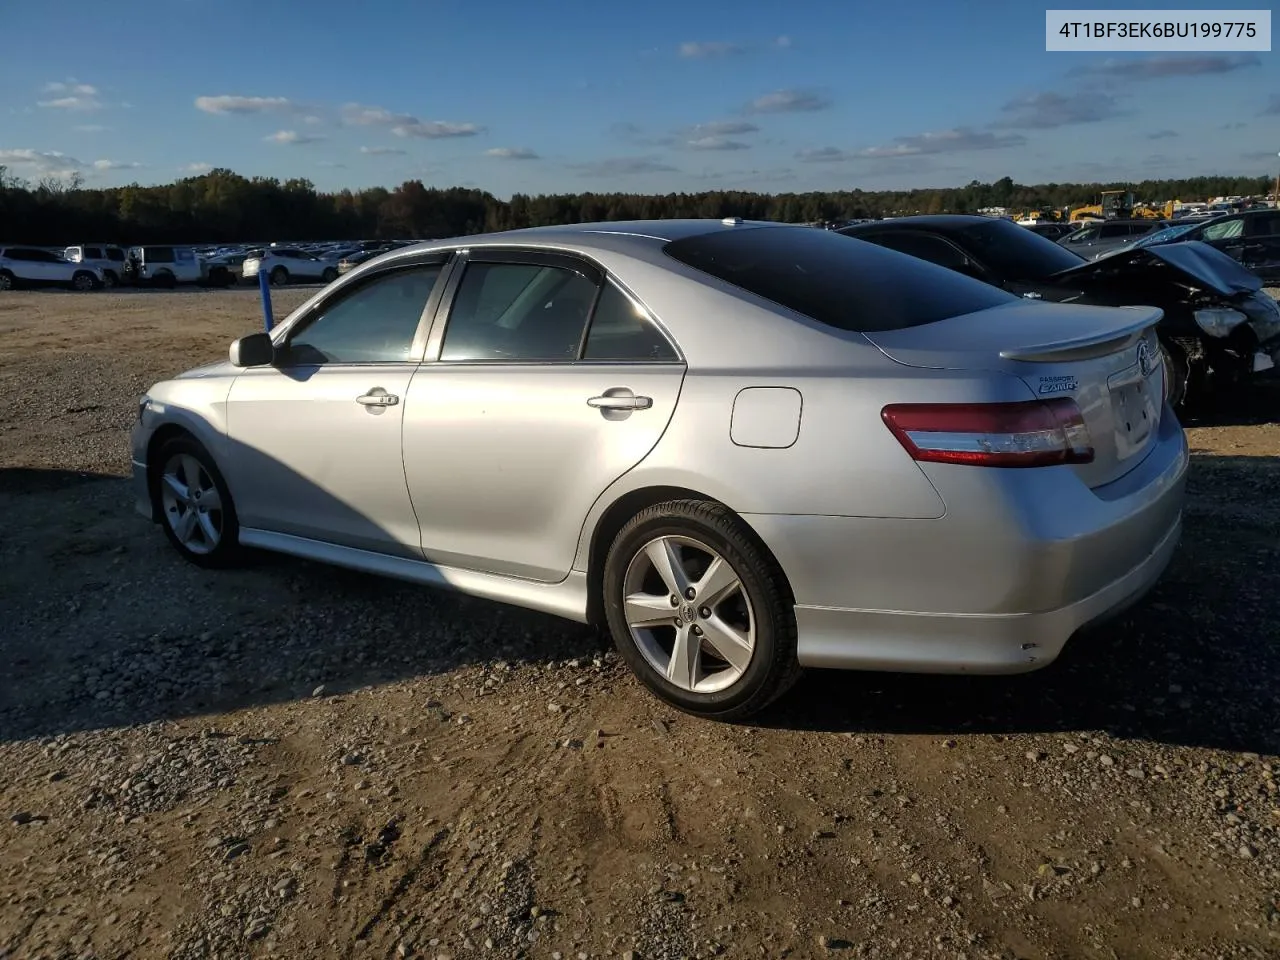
{"x": 222, "y": 206}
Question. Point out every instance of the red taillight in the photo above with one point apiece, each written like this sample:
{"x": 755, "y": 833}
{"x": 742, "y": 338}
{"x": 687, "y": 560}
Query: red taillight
{"x": 1034, "y": 433}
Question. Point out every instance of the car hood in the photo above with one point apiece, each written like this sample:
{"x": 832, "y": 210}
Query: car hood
{"x": 220, "y": 368}
{"x": 1197, "y": 262}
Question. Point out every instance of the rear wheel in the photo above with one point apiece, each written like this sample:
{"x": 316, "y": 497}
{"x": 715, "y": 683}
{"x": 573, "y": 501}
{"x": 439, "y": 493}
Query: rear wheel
{"x": 279, "y": 277}
{"x": 109, "y": 279}
{"x": 194, "y": 504}
{"x": 329, "y": 275}
{"x": 84, "y": 280}
{"x": 700, "y": 612}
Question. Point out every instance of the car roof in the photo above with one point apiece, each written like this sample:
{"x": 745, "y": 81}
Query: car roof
{"x": 934, "y": 221}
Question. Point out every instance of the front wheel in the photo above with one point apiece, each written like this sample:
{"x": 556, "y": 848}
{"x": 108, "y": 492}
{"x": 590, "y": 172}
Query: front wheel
{"x": 279, "y": 277}
{"x": 83, "y": 280}
{"x": 194, "y": 504}
{"x": 329, "y": 275}
{"x": 700, "y": 612}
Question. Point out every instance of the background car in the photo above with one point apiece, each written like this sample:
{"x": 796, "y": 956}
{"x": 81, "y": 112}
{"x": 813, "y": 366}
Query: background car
{"x": 162, "y": 266}
{"x": 108, "y": 258}
{"x": 1219, "y": 327}
{"x": 287, "y": 264}
{"x": 745, "y": 447}
{"x": 1050, "y": 231}
{"x": 34, "y": 267}
{"x": 1098, "y": 239}
{"x": 1251, "y": 237}
{"x": 353, "y": 260}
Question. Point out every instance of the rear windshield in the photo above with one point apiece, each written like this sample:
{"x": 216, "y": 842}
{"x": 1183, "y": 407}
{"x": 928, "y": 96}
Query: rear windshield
{"x": 1017, "y": 254}
{"x": 839, "y": 281}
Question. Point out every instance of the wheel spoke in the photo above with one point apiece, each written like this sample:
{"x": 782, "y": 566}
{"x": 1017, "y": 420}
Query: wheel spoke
{"x": 207, "y": 528}
{"x": 665, "y": 557}
{"x": 176, "y": 487}
{"x": 718, "y": 583}
{"x": 682, "y": 669}
{"x": 191, "y": 472}
{"x": 209, "y": 499}
{"x": 730, "y": 643}
{"x": 185, "y": 525}
{"x": 645, "y": 611}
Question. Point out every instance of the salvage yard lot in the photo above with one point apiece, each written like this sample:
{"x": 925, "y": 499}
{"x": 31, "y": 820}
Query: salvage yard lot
{"x": 296, "y": 761}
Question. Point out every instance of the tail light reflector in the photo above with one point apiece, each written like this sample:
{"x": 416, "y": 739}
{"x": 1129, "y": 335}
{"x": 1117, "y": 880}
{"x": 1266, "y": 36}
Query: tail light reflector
{"x": 1034, "y": 433}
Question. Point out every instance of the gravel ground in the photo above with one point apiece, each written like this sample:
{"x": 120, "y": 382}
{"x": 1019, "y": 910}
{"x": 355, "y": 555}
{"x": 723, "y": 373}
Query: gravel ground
{"x": 295, "y": 761}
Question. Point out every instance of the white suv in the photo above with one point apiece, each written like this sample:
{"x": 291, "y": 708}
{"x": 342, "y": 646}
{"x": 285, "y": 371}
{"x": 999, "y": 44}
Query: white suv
{"x": 163, "y": 266}
{"x": 33, "y": 267}
{"x": 284, "y": 264}
{"x": 107, "y": 257}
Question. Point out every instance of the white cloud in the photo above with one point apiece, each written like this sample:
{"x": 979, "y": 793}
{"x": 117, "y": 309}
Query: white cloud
{"x": 312, "y": 120}
{"x": 41, "y": 160}
{"x": 115, "y": 165}
{"x": 789, "y": 101}
{"x": 717, "y": 143}
{"x": 358, "y": 115}
{"x": 512, "y": 153}
{"x": 436, "y": 129}
{"x": 711, "y": 48}
{"x": 722, "y": 128}
{"x": 72, "y": 103}
{"x": 958, "y": 140}
{"x": 234, "y": 104}
{"x": 383, "y": 151}
{"x": 291, "y": 137}
{"x": 73, "y": 87}
{"x": 196, "y": 168}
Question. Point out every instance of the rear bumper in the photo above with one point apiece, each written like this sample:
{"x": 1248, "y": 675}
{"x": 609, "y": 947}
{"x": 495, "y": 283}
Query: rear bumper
{"x": 1021, "y": 561}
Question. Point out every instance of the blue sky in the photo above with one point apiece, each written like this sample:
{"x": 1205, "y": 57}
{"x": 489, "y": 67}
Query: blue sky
{"x": 573, "y": 96}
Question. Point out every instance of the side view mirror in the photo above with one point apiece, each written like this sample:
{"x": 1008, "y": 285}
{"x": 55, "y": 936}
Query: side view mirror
{"x": 254, "y": 350}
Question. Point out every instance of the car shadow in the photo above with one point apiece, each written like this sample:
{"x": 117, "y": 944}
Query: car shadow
{"x": 1196, "y": 663}
{"x": 106, "y": 626}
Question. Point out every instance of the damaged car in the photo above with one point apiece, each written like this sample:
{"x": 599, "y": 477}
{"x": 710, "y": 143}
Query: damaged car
{"x": 1219, "y": 327}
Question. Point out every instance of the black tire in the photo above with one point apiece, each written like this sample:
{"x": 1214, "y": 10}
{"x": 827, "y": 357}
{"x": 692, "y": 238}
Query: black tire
{"x": 329, "y": 275}
{"x": 772, "y": 668}
{"x": 228, "y": 550}
{"x": 109, "y": 279}
{"x": 8, "y": 281}
{"x": 279, "y": 277}
{"x": 165, "y": 279}
{"x": 84, "y": 280}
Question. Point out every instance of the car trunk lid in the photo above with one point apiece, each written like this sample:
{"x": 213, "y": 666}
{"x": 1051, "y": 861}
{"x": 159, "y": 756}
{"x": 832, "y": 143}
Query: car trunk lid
{"x": 1106, "y": 359}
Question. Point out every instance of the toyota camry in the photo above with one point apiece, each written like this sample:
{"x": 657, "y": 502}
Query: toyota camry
{"x": 743, "y": 448}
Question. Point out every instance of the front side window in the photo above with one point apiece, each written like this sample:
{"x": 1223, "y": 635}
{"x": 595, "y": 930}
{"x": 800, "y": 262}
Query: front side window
{"x": 158, "y": 254}
{"x": 518, "y": 312}
{"x": 375, "y": 323}
{"x": 115, "y": 254}
{"x": 622, "y": 330}
{"x": 92, "y": 253}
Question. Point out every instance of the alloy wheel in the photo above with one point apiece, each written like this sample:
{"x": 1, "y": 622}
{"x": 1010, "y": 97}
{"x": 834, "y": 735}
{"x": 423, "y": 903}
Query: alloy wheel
{"x": 191, "y": 503}
{"x": 689, "y": 614}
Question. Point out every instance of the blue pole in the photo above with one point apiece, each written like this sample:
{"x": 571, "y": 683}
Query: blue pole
{"x": 264, "y": 285}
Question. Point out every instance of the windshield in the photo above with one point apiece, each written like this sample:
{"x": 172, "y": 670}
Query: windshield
{"x": 1165, "y": 235}
{"x": 1015, "y": 253}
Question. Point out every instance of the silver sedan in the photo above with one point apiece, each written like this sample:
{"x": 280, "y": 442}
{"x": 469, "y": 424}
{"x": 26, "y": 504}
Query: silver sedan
{"x": 744, "y": 447}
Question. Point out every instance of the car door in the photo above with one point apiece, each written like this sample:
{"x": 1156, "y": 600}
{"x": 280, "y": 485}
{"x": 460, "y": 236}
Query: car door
{"x": 50, "y": 268}
{"x": 1260, "y": 251}
{"x": 544, "y": 383}
{"x": 315, "y": 437}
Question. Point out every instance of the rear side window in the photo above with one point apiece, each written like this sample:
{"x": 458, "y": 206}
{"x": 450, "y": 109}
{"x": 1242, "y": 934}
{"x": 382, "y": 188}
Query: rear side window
{"x": 926, "y": 246}
{"x": 621, "y": 330}
{"x": 158, "y": 254}
{"x": 116, "y": 254}
{"x": 836, "y": 280}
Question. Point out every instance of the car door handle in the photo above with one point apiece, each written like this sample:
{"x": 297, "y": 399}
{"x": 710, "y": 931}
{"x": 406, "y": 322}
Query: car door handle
{"x": 378, "y": 399}
{"x": 620, "y": 403}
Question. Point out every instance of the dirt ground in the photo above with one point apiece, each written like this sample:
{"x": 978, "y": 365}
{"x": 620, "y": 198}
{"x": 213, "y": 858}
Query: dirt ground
{"x": 294, "y": 761}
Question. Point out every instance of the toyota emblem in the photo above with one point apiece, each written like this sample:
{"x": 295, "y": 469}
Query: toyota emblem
{"x": 1145, "y": 362}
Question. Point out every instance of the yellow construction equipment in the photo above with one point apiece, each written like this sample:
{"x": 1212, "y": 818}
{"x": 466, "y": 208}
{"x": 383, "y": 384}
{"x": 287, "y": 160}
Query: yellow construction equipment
{"x": 1115, "y": 205}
